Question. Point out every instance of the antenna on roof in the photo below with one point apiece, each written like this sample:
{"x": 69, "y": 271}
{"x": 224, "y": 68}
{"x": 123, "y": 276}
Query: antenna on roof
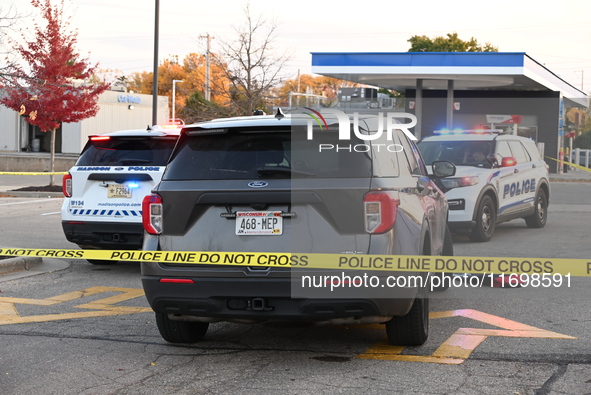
{"x": 279, "y": 114}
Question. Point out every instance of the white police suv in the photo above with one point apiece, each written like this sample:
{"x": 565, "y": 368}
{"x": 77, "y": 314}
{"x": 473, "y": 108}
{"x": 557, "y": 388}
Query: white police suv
{"x": 499, "y": 177}
{"x": 105, "y": 188}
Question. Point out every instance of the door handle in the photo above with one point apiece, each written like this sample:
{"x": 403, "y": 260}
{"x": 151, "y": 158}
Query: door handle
{"x": 516, "y": 171}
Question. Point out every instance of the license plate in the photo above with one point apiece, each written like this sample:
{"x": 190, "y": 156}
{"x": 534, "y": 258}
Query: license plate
{"x": 118, "y": 191}
{"x": 260, "y": 223}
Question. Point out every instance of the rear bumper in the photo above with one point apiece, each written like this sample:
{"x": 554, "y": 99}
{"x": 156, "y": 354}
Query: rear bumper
{"x": 105, "y": 235}
{"x": 261, "y": 299}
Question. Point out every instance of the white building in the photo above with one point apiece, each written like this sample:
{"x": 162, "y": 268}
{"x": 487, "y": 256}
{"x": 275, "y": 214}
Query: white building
{"x": 117, "y": 111}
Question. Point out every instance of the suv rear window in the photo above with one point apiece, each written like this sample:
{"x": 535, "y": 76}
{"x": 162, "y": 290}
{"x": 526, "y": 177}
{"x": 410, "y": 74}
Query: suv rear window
{"x": 127, "y": 151}
{"x": 250, "y": 154}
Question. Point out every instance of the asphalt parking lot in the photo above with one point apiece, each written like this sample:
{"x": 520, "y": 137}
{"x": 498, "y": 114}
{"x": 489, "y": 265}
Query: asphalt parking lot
{"x": 87, "y": 329}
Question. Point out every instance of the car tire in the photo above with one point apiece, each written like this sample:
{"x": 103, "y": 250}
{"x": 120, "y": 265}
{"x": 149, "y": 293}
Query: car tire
{"x": 486, "y": 218}
{"x": 540, "y": 215}
{"x": 411, "y": 329}
{"x": 448, "y": 250}
{"x": 180, "y": 331}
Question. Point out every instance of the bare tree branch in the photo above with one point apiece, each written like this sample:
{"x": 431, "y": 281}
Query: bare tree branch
{"x": 253, "y": 67}
{"x": 9, "y": 20}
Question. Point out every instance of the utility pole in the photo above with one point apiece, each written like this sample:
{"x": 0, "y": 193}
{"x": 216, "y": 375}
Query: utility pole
{"x": 207, "y": 67}
{"x": 298, "y": 88}
{"x": 582, "y": 75}
{"x": 155, "y": 72}
{"x": 174, "y": 101}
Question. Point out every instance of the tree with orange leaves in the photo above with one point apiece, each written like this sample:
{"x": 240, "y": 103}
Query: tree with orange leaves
{"x": 189, "y": 96}
{"x": 51, "y": 90}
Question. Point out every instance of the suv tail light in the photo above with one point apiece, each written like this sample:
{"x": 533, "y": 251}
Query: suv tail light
{"x": 380, "y": 211}
{"x": 100, "y": 138}
{"x": 67, "y": 185}
{"x": 152, "y": 214}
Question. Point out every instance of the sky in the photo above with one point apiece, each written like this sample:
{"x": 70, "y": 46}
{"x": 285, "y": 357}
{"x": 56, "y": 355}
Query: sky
{"x": 119, "y": 34}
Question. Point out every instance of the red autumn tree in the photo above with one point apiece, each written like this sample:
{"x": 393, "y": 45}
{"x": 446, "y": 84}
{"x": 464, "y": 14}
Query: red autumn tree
{"x": 49, "y": 87}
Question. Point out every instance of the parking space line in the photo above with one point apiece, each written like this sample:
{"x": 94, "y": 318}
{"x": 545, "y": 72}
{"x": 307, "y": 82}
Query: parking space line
{"x": 453, "y": 351}
{"x": 460, "y": 345}
{"x": 101, "y": 308}
{"x": 27, "y": 202}
{"x": 8, "y": 309}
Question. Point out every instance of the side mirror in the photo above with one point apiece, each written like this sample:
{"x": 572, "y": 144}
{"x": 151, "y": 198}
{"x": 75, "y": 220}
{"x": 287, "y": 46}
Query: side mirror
{"x": 508, "y": 161}
{"x": 443, "y": 168}
{"x": 492, "y": 159}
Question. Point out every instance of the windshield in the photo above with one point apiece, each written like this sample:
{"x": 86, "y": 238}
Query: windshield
{"x": 127, "y": 151}
{"x": 461, "y": 153}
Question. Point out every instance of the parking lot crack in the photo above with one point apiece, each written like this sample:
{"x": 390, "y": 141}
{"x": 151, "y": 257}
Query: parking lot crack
{"x": 546, "y": 388}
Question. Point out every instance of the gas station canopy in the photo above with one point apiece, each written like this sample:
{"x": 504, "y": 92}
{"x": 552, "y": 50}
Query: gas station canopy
{"x": 498, "y": 71}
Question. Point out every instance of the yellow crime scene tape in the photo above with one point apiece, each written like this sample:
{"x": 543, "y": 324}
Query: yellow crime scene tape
{"x": 397, "y": 263}
{"x": 20, "y": 173}
{"x": 570, "y": 164}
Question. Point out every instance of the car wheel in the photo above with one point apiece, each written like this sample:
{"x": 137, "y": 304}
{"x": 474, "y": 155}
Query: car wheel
{"x": 180, "y": 331}
{"x": 411, "y": 329}
{"x": 540, "y": 215}
{"x": 486, "y": 217}
{"x": 448, "y": 250}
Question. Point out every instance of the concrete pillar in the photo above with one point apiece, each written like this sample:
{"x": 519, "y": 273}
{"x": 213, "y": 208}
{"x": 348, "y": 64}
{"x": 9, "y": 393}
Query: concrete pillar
{"x": 449, "y": 119}
{"x": 419, "y": 109}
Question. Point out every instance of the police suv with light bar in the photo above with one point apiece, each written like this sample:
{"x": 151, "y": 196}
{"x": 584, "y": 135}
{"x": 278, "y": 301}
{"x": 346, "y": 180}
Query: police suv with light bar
{"x": 104, "y": 189}
{"x": 499, "y": 177}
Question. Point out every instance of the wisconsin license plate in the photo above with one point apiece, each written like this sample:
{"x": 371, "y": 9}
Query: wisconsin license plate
{"x": 118, "y": 191}
{"x": 260, "y": 223}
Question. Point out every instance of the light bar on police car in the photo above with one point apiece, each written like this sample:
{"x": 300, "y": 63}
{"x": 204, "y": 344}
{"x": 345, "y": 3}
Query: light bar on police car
{"x": 442, "y": 132}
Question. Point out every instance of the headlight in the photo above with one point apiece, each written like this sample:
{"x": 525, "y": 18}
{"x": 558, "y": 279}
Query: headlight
{"x": 458, "y": 182}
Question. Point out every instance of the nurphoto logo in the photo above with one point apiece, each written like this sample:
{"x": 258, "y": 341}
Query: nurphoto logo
{"x": 386, "y": 123}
